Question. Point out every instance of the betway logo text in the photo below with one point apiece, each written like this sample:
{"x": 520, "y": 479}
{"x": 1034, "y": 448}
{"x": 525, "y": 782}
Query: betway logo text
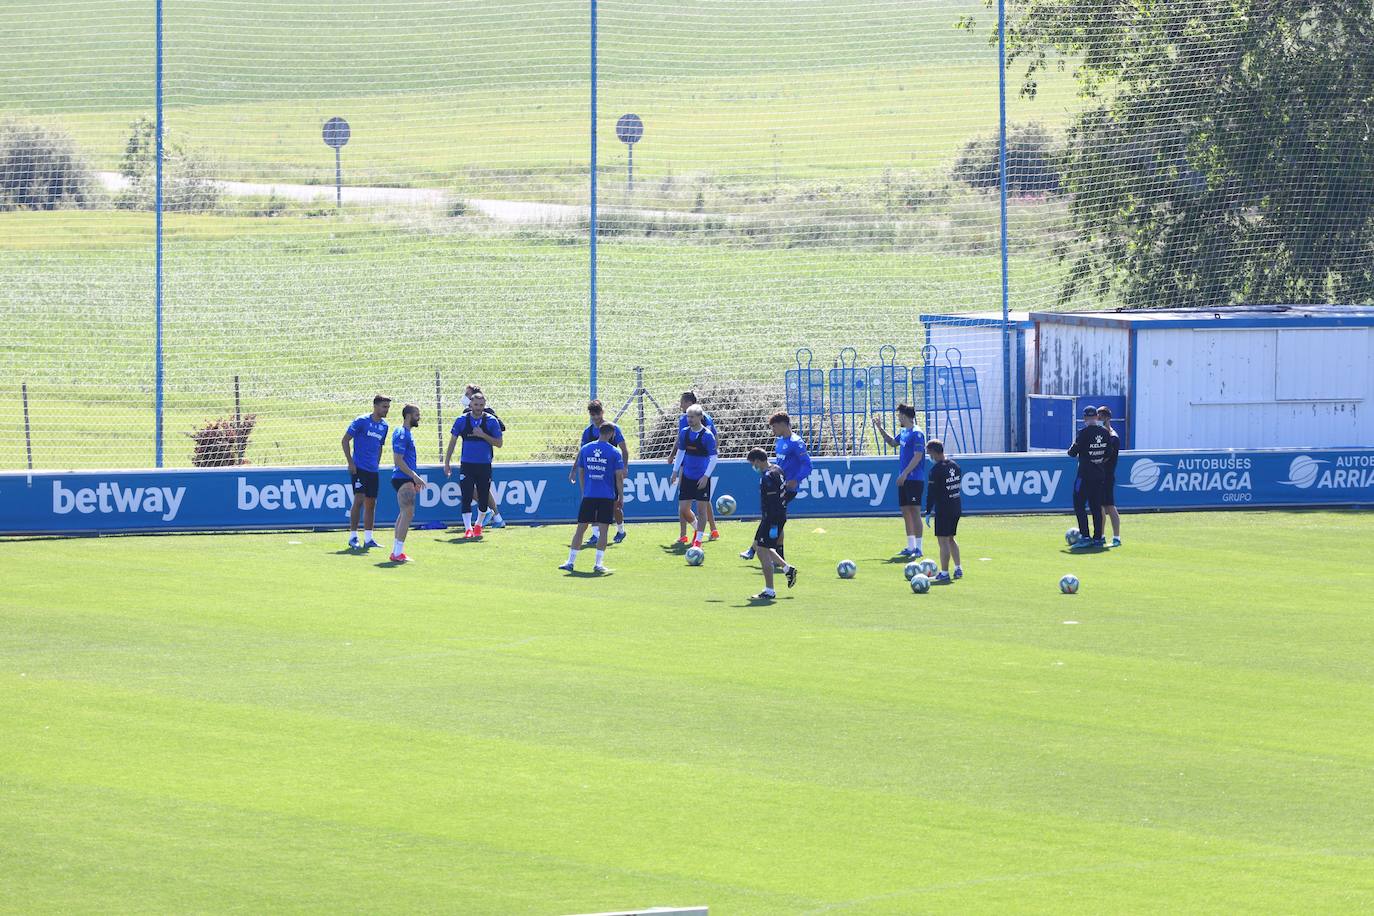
{"x": 993, "y": 481}
{"x": 648, "y": 487}
{"x": 108, "y": 498}
{"x": 292, "y": 493}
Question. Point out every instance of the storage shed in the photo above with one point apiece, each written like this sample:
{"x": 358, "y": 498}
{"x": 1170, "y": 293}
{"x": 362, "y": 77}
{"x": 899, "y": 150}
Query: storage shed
{"x": 1295, "y": 376}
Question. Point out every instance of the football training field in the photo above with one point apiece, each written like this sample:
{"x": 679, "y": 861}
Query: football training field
{"x": 265, "y": 723}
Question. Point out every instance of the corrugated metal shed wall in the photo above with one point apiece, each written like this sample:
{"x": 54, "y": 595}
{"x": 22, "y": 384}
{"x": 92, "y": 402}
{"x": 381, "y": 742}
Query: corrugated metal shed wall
{"x": 1083, "y": 360}
{"x": 1254, "y": 388}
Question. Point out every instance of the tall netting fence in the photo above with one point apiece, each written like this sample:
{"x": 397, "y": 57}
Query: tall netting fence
{"x": 798, "y": 205}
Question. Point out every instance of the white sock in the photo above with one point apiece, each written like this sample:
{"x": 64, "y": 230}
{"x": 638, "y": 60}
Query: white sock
{"x": 371, "y": 536}
{"x": 467, "y": 519}
{"x": 911, "y": 542}
{"x": 769, "y": 591}
{"x": 620, "y": 528}
{"x": 917, "y": 545}
{"x": 572, "y": 556}
{"x": 353, "y": 535}
{"x": 601, "y": 558}
{"x": 398, "y": 548}
{"x": 495, "y": 516}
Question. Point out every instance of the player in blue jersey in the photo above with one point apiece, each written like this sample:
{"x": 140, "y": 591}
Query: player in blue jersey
{"x": 362, "y": 447}
{"x": 405, "y": 480}
{"x": 773, "y": 518}
{"x": 686, "y": 402}
{"x": 792, "y": 458}
{"x": 596, "y": 415}
{"x": 601, "y": 472}
{"x": 493, "y": 516}
{"x": 695, "y": 459}
{"x": 481, "y": 433}
{"x": 910, "y": 444}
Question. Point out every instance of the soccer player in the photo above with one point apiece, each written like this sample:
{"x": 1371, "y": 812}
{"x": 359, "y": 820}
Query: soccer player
{"x": 481, "y": 433}
{"x": 910, "y": 443}
{"x": 596, "y": 413}
{"x": 768, "y": 535}
{"x": 601, "y": 472}
{"x": 943, "y": 500}
{"x": 695, "y": 459}
{"x": 1104, "y": 417}
{"x": 1090, "y": 447}
{"x": 792, "y": 458}
{"x": 404, "y": 480}
{"x": 494, "y": 514}
{"x": 366, "y": 436}
{"x": 688, "y": 399}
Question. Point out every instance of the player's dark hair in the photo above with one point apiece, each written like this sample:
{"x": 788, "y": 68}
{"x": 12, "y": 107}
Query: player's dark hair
{"x": 408, "y": 411}
{"x": 935, "y": 447}
{"x": 474, "y": 389}
{"x": 1104, "y": 412}
{"x": 594, "y": 406}
{"x": 757, "y": 454}
{"x": 906, "y": 410}
{"x": 607, "y": 427}
{"x": 689, "y": 396}
{"x": 380, "y": 399}
{"x": 780, "y": 417}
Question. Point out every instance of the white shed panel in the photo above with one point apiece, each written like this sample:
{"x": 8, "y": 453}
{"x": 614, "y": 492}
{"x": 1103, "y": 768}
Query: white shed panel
{"x": 1083, "y": 359}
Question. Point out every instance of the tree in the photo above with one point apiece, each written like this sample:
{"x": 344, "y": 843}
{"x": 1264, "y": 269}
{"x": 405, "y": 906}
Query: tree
{"x": 187, "y": 183}
{"x": 1226, "y": 153}
{"x": 40, "y": 169}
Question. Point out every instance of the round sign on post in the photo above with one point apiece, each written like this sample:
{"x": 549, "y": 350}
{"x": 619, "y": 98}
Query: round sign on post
{"x": 629, "y": 129}
{"x": 336, "y": 134}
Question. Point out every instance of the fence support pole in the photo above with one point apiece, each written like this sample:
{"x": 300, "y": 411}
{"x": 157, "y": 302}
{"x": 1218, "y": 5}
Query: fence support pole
{"x": 438, "y": 411}
{"x": 592, "y": 222}
{"x": 157, "y": 270}
{"x": 1002, "y": 172}
{"x": 28, "y": 439}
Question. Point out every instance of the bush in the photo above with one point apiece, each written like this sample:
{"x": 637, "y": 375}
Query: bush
{"x": 1034, "y": 160}
{"x": 40, "y": 169}
{"x": 222, "y": 443}
{"x": 187, "y": 185}
{"x": 740, "y": 411}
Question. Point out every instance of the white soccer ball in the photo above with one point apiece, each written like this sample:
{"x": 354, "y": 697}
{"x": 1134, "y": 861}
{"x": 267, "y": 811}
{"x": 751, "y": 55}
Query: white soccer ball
{"x": 1071, "y": 536}
{"x": 920, "y": 584}
{"x": 927, "y": 566}
{"x": 846, "y": 569}
{"x": 1069, "y": 585}
{"x": 911, "y": 570}
{"x": 695, "y": 556}
{"x": 725, "y": 505}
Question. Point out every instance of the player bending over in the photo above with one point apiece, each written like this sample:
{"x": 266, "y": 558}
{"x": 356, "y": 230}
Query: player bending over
{"x": 768, "y": 536}
{"x": 686, "y": 402}
{"x": 493, "y": 516}
{"x": 1090, "y": 447}
{"x": 695, "y": 460}
{"x": 597, "y": 416}
{"x": 367, "y": 435}
{"x": 942, "y": 499}
{"x": 792, "y": 458}
{"x": 404, "y": 480}
{"x": 481, "y": 433}
{"x": 601, "y": 472}
{"x": 910, "y": 443}
{"x": 1104, "y": 418}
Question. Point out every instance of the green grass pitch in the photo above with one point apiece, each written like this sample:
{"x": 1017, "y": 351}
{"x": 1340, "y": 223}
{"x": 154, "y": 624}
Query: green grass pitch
{"x": 262, "y": 723}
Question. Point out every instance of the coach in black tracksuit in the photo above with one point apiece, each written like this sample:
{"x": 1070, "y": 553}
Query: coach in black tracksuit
{"x": 1090, "y": 447}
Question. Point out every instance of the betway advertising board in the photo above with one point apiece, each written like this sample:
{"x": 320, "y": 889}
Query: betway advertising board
{"x": 109, "y": 502}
